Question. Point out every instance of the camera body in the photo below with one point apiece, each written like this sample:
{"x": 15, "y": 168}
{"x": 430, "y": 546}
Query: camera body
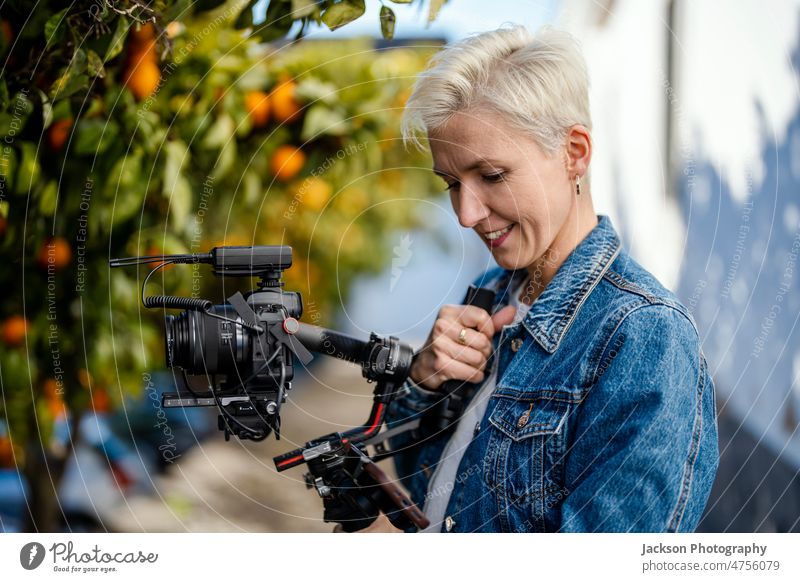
{"x": 251, "y": 370}
{"x": 239, "y": 349}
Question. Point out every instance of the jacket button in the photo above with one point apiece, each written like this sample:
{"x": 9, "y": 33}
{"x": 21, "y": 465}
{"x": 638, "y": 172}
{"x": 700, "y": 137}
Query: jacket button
{"x": 477, "y": 428}
{"x": 524, "y": 417}
{"x": 449, "y": 523}
{"x": 516, "y": 344}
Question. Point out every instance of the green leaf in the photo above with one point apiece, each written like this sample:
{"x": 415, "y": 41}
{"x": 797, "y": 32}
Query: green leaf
{"x": 322, "y": 120}
{"x": 177, "y": 155}
{"x": 245, "y": 18}
{"x": 126, "y": 187}
{"x": 117, "y": 40}
{"x": 252, "y": 188}
{"x": 278, "y": 21}
{"x": 220, "y": 132}
{"x": 3, "y": 93}
{"x": 95, "y": 65}
{"x": 435, "y": 7}
{"x": 47, "y": 109}
{"x": 54, "y": 27}
{"x": 180, "y": 202}
{"x": 72, "y": 79}
{"x": 387, "y": 22}
{"x": 48, "y": 198}
{"x": 225, "y": 161}
{"x": 93, "y": 136}
{"x": 312, "y": 89}
{"x": 343, "y": 13}
{"x": 28, "y": 171}
{"x": 301, "y": 8}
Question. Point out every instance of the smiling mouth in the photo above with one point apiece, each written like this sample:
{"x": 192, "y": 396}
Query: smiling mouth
{"x": 496, "y": 234}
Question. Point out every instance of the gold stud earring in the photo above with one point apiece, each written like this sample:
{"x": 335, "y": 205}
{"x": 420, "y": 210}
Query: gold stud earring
{"x": 577, "y": 185}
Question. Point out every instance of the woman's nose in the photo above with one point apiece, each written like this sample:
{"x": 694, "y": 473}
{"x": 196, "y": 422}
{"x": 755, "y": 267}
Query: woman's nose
{"x": 469, "y": 208}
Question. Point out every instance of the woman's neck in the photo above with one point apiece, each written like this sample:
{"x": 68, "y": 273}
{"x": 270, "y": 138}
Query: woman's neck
{"x": 576, "y": 227}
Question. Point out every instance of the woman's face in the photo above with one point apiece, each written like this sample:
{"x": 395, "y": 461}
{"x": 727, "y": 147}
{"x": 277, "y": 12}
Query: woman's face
{"x": 503, "y": 186}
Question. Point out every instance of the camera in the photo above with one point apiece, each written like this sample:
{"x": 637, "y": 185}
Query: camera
{"x": 241, "y": 350}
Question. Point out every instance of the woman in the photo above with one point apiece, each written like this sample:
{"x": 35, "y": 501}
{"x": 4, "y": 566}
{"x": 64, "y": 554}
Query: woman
{"x": 594, "y": 409}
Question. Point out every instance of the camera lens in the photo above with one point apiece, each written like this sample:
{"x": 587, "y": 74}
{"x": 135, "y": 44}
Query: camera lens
{"x": 202, "y": 344}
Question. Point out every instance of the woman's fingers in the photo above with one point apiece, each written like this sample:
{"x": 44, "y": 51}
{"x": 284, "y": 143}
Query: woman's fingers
{"x": 445, "y": 327}
{"x": 439, "y": 367}
{"x": 468, "y": 316}
{"x": 458, "y": 348}
{"x": 463, "y": 353}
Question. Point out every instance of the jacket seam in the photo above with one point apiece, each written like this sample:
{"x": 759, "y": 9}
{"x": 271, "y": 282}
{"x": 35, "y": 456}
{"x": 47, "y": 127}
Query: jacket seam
{"x": 624, "y": 316}
{"x": 550, "y": 338}
{"x": 624, "y": 284}
{"x": 688, "y": 469}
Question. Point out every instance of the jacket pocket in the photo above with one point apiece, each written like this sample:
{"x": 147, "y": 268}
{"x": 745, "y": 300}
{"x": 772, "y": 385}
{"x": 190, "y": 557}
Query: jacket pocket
{"x": 524, "y": 461}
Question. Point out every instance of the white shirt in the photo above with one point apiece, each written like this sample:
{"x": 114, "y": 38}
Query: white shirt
{"x": 443, "y": 480}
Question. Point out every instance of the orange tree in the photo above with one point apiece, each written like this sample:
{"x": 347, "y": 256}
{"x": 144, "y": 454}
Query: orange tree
{"x": 169, "y": 127}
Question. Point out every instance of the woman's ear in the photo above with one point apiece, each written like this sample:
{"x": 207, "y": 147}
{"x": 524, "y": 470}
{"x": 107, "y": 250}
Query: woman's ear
{"x": 579, "y": 150}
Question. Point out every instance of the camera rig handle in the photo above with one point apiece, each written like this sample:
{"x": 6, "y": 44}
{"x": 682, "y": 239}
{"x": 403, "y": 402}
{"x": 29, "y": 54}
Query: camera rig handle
{"x": 385, "y": 361}
{"x": 353, "y": 488}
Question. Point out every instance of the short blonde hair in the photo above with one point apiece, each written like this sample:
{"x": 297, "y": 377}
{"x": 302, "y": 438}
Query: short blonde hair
{"x": 538, "y": 83}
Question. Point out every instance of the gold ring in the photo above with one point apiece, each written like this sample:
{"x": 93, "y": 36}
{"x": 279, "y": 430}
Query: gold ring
{"x": 462, "y": 336}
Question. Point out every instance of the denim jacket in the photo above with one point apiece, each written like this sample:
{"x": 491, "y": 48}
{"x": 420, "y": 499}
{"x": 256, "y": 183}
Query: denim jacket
{"x": 603, "y": 417}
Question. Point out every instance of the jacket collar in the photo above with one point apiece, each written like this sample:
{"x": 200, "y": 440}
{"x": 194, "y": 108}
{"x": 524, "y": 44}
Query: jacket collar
{"x": 554, "y": 310}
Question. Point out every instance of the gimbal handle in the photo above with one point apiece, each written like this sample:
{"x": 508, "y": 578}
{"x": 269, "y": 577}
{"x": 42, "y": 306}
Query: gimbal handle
{"x": 385, "y": 361}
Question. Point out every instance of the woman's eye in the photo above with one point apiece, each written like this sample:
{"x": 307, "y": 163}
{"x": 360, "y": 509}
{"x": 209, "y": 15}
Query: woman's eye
{"x": 498, "y": 177}
{"x": 451, "y": 186}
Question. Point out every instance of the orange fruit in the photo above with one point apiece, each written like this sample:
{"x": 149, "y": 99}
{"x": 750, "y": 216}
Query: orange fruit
{"x": 143, "y": 33}
{"x": 56, "y": 252}
{"x": 257, "y": 105}
{"x": 57, "y": 408}
{"x": 314, "y": 192}
{"x": 287, "y": 161}
{"x": 285, "y": 107}
{"x": 6, "y": 31}
{"x": 58, "y": 133}
{"x": 6, "y": 452}
{"x": 143, "y": 39}
{"x": 55, "y": 399}
{"x": 100, "y": 400}
{"x": 51, "y": 389}
{"x": 142, "y": 78}
{"x": 15, "y": 328}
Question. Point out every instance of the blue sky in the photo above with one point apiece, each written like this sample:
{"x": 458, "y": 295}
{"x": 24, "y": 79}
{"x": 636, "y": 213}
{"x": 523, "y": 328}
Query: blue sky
{"x": 457, "y": 18}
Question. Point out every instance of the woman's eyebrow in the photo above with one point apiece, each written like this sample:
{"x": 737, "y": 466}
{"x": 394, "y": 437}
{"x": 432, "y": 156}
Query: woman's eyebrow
{"x": 474, "y": 165}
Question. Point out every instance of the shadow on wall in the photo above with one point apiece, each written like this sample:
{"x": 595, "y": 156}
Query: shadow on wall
{"x": 740, "y": 280}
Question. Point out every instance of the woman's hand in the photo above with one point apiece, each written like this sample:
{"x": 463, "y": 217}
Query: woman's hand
{"x": 444, "y": 358}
